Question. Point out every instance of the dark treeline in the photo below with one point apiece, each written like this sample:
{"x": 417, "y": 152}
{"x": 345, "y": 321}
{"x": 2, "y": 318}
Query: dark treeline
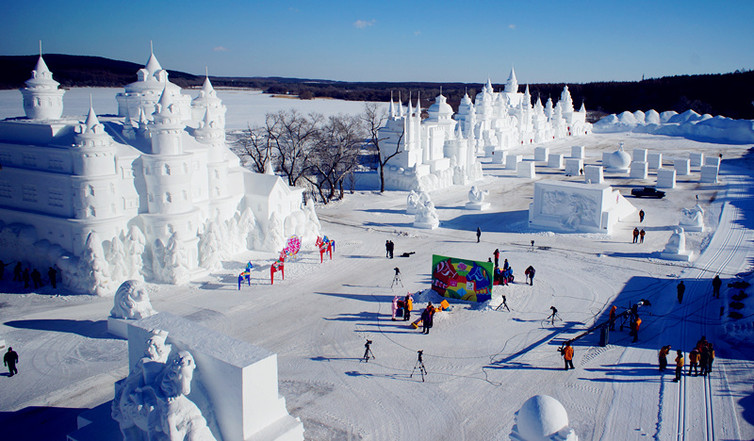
{"x": 730, "y": 94}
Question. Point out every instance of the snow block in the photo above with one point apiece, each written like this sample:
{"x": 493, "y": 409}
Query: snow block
{"x": 540, "y": 153}
{"x": 709, "y": 174}
{"x": 594, "y": 174}
{"x": 654, "y": 160}
{"x": 577, "y": 151}
{"x": 555, "y": 160}
{"x": 118, "y": 327}
{"x": 640, "y": 155}
{"x": 511, "y": 162}
{"x": 639, "y": 170}
{"x": 712, "y": 160}
{"x": 488, "y": 149}
{"x": 526, "y": 169}
{"x": 574, "y": 166}
{"x": 682, "y": 167}
{"x": 240, "y": 379}
{"x": 696, "y": 159}
{"x": 577, "y": 207}
{"x": 665, "y": 178}
{"x": 498, "y": 156}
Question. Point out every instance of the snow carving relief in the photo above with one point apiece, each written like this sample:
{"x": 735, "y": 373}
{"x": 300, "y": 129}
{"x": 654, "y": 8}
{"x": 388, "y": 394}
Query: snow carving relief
{"x": 573, "y": 209}
{"x": 131, "y": 301}
{"x": 152, "y": 403}
{"x": 692, "y": 219}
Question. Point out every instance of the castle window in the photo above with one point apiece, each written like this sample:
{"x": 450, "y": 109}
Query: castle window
{"x": 168, "y": 198}
{"x": 30, "y": 160}
{"x": 29, "y": 193}
{"x": 55, "y": 197}
{"x": 6, "y": 190}
{"x": 90, "y": 211}
{"x": 166, "y": 169}
{"x": 90, "y": 190}
{"x": 56, "y": 164}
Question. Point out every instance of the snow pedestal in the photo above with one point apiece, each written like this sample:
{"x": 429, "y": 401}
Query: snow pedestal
{"x": 665, "y": 178}
{"x": 709, "y": 174}
{"x": 712, "y": 160}
{"x": 525, "y": 169}
{"x": 654, "y": 160}
{"x": 577, "y": 207}
{"x": 696, "y": 159}
{"x": 577, "y": 151}
{"x": 555, "y": 160}
{"x": 593, "y": 174}
{"x": 540, "y": 153}
{"x": 498, "y": 156}
{"x": 542, "y": 418}
{"x": 512, "y": 161}
{"x": 639, "y": 170}
{"x": 240, "y": 379}
{"x": 682, "y": 167}
{"x": 676, "y": 247}
{"x": 573, "y": 166}
{"x": 640, "y": 155}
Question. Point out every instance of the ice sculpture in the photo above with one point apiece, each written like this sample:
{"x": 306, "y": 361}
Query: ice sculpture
{"x": 131, "y": 301}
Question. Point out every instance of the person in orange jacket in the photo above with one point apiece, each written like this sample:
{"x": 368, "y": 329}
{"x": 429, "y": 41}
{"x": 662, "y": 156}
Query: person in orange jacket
{"x": 635, "y": 328}
{"x": 694, "y": 361}
{"x": 678, "y": 366}
{"x": 568, "y": 355}
{"x": 612, "y": 317}
{"x": 408, "y": 305}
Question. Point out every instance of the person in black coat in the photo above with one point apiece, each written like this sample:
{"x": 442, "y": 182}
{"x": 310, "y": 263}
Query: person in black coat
{"x": 427, "y": 318}
{"x": 478, "y": 234}
{"x": 716, "y": 284}
{"x": 10, "y": 360}
{"x": 52, "y": 274}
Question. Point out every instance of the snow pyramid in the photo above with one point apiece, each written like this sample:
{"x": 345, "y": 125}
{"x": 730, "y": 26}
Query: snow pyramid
{"x": 542, "y": 418}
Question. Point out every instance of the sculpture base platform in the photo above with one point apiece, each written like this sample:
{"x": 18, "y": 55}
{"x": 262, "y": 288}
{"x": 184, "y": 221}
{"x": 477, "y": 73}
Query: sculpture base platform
{"x": 478, "y": 206}
{"x": 118, "y": 327}
{"x": 426, "y": 225}
{"x": 683, "y": 257}
{"x": 692, "y": 228}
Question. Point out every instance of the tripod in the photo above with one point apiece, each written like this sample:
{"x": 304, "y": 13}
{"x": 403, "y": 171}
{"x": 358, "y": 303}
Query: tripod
{"x": 552, "y": 317}
{"x": 419, "y": 364}
{"x": 503, "y": 304}
{"x": 367, "y": 352}
{"x": 397, "y": 280}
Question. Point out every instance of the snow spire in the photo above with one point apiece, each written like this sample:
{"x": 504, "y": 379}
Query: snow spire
{"x": 400, "y": 105}
{"x": 152, "y": 64}
{"x": 583, "y": 107}
{"x": 512, "y": 85}
{"x": 91, "y": 118}
{"x": 418, "y": 104}
{"x": 392, "y": 106}
{"x": 42, "y": 98}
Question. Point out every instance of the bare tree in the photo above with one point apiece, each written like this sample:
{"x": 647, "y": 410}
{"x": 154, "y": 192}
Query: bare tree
{"x": 337, "y": 154}
{"x": 374, "y": 118}
{"x": 294, "y": 137}
{"x": 256, "y": 144}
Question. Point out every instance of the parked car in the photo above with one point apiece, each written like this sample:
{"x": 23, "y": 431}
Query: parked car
{"x": 648, "y": 192}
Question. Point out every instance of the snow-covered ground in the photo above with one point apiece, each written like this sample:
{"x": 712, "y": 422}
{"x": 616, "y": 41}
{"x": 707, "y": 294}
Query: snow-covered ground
{"x": 245, "y": 107}
{"x": 482, "y": 364}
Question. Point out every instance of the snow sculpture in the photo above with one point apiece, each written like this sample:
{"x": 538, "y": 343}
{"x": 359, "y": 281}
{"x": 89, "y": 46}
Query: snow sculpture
{"x": 692, "y": 219}
{"x": 92, "y": 272}
{"x": 426, "y": 215}
{"x": 131, "y": 301}
{"x": 476, "y": 199}
{"x": 676, "y": 246}
{"x": 618, "y": 161}
{"x": 412, "y": 202}
{"x": 152, "y": 404}
{"x": 542, "y": 418}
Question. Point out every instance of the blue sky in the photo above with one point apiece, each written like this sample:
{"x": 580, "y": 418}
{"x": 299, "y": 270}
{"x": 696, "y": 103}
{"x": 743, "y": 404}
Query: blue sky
{"x": 438, "y": 41}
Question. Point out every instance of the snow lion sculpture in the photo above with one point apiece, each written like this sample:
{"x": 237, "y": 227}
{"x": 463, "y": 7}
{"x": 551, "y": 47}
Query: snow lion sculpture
{"x": 132, "y": 301}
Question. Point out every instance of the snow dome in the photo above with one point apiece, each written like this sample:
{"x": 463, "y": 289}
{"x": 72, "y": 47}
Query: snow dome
{"x": 618, "y": 160}
{"x": 542, "y": 417}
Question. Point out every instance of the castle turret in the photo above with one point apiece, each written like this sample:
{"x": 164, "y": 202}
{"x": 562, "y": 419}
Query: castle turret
{"x": 511, "y": 86}
{"x": 208, "y": 102}
{"x": 166, "y": 127}
{"x": 43, "y": 100}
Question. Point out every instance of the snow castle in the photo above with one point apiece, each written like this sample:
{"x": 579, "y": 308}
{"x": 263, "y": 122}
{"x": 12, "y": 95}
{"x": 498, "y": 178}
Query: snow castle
{"x": 442, "y": 149}
{"x": 153, "y": 193}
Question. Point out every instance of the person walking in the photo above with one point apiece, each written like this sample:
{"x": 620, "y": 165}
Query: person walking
{"x": 716, "y": 284}
{"x": 641, "y": 216}
{"x": 497, "y": 256}
{"x": 427, "y": 318}
{"x": 17, "y": 272}
{"x": 635, "y": 323}
{"x": 568, "y": 355}
{"x": 636, "y": 235}
{"x": 387, "y": 249}
{"x": 11, "y": 359}
{"x": 36, "y": 277}
{"x": 703, "y": 360}
{"x": 53, "y": 276}
{"x": 663, "y": 357}
{"x": 681, "y": 288}
{"x": 27, "y": 278}
{"x": 694, "y": 361}
{"x": 678, "y": 366}
{"x": 478, "y": 234}
{"x": 711, "y": 355}
{"x": 613, "y": 310}
{"x": 641, "y": 235}
{"x": 530, "y": 274}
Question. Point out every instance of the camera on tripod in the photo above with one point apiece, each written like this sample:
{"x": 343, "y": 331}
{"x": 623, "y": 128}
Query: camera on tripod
{"x": 369, "y": 342}
{"x": 397, "y": 271}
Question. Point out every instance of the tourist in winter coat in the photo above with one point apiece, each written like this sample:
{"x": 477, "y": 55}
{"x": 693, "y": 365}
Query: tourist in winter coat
{"x": 681, "y": 288}
{"x": 568, "y": 355}
{"x": 394, "y": 306}
{"x": 613, "y": 309}
{"x": 641, "y": 216}
{"x": 10, "y": 359}
{"x": 663, "y": 357}
{"x": 636, "y": 235}
{"x": 478, "y": 234}
{"x": 716, "y": 284}
{"x": 635, "y": 328}
{"x": 711, "y": 357}
{"x": 427, "y": 318}
{"x": 704, "y": 360}
{"x": 694, "y": 361}
{"x": 408, "y": 305}
{"x": 497, "y": 256}
{"x": 530, "y": 273}
{"x": 641, "y": 235}
{"x": 678, "y": 365}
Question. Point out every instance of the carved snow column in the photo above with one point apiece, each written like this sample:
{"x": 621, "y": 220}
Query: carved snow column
{"x": 42, "y": 98}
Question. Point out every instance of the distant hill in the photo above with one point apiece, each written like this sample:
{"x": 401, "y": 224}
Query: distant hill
{"x": 729, "y": 94}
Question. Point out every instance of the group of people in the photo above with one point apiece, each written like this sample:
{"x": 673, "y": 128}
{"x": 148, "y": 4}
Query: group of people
{"x": 29, "y": 276}
{"x": 504, "y": 275}
{"x": 403, "y": 306}
{"x": 639, "y": 235}
{"x": 389, "y": 248}
{"x": 700, "y": 359}
{"x": 426, "y": 317}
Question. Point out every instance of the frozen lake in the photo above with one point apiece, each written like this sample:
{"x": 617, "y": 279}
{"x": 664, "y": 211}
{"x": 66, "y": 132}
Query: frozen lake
{"x": 245, "y": 107}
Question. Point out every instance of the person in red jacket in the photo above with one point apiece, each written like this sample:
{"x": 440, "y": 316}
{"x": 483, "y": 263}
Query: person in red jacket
{"x": 612, "y": 317}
